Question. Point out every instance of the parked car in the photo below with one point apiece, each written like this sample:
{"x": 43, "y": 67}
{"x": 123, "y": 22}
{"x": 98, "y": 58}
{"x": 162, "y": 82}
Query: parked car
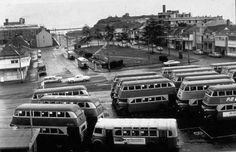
{"x": 215, "y": 54}
{"x": 78, "y": 78}
{"x": 198, "y": 52}
{"x": 171, "y": 63}
{"x": 53, "y": 78}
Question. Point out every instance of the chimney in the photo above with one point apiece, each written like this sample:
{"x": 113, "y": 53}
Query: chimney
{"x": 228, "y": 22}
{"x": 22, "y": 21}
{"x": 164, "y": 8}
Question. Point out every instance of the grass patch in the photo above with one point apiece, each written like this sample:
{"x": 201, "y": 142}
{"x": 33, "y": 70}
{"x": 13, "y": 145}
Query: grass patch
{"x": 130, "y": 56}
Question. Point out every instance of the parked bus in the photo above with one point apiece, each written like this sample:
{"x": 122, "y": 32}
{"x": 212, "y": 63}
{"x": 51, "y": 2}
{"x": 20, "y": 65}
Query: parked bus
{"x": 219, "y": 102}
{"x": 123, "y": 79}
{"x": 147, "y": 134}
{"x": 53, "y": 120}
{"x": 83, "y": 63}
{"x": 116, "y": 78}
{"x": 145, "y": 96}
{"x": 166, "y": 71}
{"x": 178, "y": 78}
{"x": 92, "y": 107}
{"x": 191, "y": 93}
{"x": 207, "y": 77}
{"x": 201, "y": 69}
{"x": 78, "y": 90}
{"x": 218, "y": 66}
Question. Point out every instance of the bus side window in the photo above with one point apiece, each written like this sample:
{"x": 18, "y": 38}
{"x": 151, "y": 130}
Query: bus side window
{"x": 163, "y": 85}
{"x": 158, "y": 98}
{"x": 151, "y": 86}
{"x": 44, "y": 114}
{"x": 54, "y": 93}
{"x": 144, "y": 86}
{"x": 81, "y": 105}
{"x": 157, "y": 85}
{"x": 61, "y": 93}
{"x": 27, "y": 113}
{"x": 81, "y": 92}
{"x": 118, "y": 132}
{"x": 67, "y": 115}
{"x": 186, "y": 89}
{"x": 234, "y": 92}
{"x": 153, "y": 133}
{"x": 193, "y": 88}
{"x": 200, "y": 88}
{"x": 68, "y": 93}
{"x": 221, "y": 93}
{"x": 215, "y": 93}
{"x": 132, "y": 101}
{"x": 54, "y": 130}
{"x": 145, "y": 100}
{"x": 223, "y": 108}
{"x": 152, "y": 99}
{"x": 229, "y": 92}
{"x": 144, "y": 132}
{"x": 135, "y": 132}
{"x": 36, "y": 114}
{"x": 138, "y": 87}
{"x": 21, "y": 113}
{"x": 229, "y": 107}
{"x": 205, "y": 87}
{"x": 131, "y": 87}
{"x": 45, "y": 130}
{"x": 75, "y": 93}
{"x": 35, "y": 96}
{"x": 138, "y": 100}
{"x": 169, "y": 85}
{"x": 52, "y": 114}
{"x": 86, "y": 105}
{"x": 126, "y": 132}
{"x": 170, "y": 133}
{"x": 60, "y": 114}
{"x": 125, "y": 88}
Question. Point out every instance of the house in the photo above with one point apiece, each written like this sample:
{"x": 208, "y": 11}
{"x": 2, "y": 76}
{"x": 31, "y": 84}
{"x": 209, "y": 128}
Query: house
{"x": 14, "y": 63}
{"x": 44, "y": 38}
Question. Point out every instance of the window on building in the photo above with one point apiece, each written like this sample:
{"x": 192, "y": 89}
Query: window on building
{"x": 14, "y": 61}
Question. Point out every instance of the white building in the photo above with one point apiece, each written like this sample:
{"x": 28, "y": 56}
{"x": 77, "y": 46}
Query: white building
{"x": 14, "y": 63}
{"x": 44, "y": 38}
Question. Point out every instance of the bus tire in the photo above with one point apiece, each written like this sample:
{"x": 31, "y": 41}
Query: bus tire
{"x": 98, "y": 147}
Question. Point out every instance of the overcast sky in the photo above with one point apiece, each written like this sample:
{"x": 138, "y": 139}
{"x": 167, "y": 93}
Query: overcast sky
{"x": 77, "y": 13}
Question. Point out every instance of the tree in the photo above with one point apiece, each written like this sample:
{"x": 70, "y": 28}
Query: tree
{"x": 97, "y": 34}
{"x": 154, "y": 33}
{"x": 87, "y": 34}
{"x": 109, "y": 32}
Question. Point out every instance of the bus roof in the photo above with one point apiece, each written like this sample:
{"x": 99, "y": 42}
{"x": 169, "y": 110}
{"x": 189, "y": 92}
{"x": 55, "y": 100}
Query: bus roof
{"x": 192, "y": 69}
{"x": 82, "y": 59}
{"x": 223, "y": 87}
{"x": 111, "y": 123}
{"x": 67, "y": 88}
{"x": 134, "y": 74}
{"x": 140, "y": 77}
{"x": 179, "y": 67}
{"x": 69, "y": 98}
{"x": 197, "y": 73}
{"x": 214, "y": 81}
{"x": 223, "y": 64}
{"x": 202, "y": 77}
{"x": 145, "y": 81}
{"x": 48, "y": 107}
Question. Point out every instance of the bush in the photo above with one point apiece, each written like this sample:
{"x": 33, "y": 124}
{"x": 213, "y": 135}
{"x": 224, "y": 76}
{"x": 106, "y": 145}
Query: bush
{"x": 163, "y": 58}
{"x": 115, "y": 64}
{"x": 88, "y": 55}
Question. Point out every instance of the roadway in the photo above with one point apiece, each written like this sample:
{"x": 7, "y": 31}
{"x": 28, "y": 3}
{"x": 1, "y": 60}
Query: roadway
{"x": 11, "y": 95}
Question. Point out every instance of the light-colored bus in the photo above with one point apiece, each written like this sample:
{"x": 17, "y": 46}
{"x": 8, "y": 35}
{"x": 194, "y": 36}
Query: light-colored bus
{"x": 78, "y": 90}
{"x": 178, "y": 78}
{"x": 147, "y": 134}
{"x": 52, "y": 119}
{"x": 191, "y": 93}
{"x": 116, "y": 78}
{"x": 201, "y": 69}
{"x": 123, "y": 79}
{"x": 166, "y": 71}
{"x": 219, "y": 102}
{"x": 218, "y": 66}
{"x": 83, "y": 63}
{"x": 207, "y": 77}
{"x": 145, "y": 95}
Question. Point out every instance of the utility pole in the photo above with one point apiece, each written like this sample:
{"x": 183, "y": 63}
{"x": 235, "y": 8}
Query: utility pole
{"x": 21, "y": 76}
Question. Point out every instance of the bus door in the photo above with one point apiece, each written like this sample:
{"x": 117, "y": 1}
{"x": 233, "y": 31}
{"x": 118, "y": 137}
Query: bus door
{"x": 163, "y": 137}
{"x": 109, "y": 138}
